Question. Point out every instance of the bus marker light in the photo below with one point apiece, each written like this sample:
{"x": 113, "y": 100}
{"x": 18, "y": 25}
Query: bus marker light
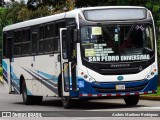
{"x": 82, "y": 73}
{"x": 85, "y": 76}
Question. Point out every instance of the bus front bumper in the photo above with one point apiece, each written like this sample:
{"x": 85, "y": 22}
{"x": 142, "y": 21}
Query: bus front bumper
{"x": 137, "y": 87}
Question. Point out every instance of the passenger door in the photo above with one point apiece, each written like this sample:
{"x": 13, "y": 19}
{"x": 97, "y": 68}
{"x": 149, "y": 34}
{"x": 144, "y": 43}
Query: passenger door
{"x": 65, "y": 64}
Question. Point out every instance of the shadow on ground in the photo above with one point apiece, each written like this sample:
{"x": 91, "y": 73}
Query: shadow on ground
{"x": 86, "y": 105}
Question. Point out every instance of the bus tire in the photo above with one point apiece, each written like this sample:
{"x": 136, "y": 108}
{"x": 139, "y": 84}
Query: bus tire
{"x": 66, "y": 102}
{"x": 132, "y": 100}
{"x": 37, "y": 99}
{"x": 27, "y": 100}
{"x": 30, "y": 100}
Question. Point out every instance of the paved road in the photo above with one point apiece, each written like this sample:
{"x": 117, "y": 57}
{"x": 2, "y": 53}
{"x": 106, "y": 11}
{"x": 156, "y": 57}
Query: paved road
{"x": 10, "y": 102}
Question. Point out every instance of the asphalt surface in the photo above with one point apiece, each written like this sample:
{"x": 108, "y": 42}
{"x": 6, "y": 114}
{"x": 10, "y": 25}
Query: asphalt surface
{"x": 80, "y": 110}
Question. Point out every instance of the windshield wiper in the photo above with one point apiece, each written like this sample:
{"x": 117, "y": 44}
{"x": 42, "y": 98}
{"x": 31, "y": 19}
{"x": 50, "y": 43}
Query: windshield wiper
{"x": 106, "y": 30}
{"x": 129, "y": 32}
{"x": 147, "y": 50}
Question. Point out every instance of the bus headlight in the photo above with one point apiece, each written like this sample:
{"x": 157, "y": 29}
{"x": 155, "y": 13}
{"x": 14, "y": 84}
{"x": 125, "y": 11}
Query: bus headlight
{"x": 152, "y": 73}
{"x": 87, "y": 77}
{"x": 148, "y": 76}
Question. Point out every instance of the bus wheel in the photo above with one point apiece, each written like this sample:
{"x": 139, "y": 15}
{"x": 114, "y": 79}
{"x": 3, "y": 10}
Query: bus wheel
{"x": 30, "y": 100}
{"x": 26, "y": 99}
{"x": 132, "y": 100}
{"x": 66, "y": 102}
{"x": 37, "y": 99}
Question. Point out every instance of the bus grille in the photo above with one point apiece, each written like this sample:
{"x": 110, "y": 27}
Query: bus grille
{"x": 127, "y": 89}
{"x": 119, "y": 71}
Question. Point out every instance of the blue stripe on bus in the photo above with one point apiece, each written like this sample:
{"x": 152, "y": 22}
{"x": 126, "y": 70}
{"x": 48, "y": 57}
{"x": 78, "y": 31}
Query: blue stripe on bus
{"x": 16, "y": 87}
{"x": 4, "y": 65}
{"x": 15, "y": 82}
{"x": 72, "y": 93}
{"x": 45, "y": 84}
{"x": 46, "y": 74}
{"x": 28, "y": 92}
{"x": 47, "y": 80}
{"x": 13, "y": 76}
{"x": 5, "y": 73}
{"x": 5, "y": 78}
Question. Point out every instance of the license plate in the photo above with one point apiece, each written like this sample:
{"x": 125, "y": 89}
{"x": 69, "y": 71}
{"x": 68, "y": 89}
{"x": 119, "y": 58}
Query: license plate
{"x": 120, "y": 87}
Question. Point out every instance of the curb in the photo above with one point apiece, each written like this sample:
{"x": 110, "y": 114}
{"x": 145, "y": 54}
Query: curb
{"x": 150, "y": 97}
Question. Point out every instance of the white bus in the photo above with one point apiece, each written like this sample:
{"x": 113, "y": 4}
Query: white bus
{"x": 84, "y": 53}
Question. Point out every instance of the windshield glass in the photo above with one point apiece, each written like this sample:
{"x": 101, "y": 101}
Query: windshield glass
{"x": 112, "y": 43}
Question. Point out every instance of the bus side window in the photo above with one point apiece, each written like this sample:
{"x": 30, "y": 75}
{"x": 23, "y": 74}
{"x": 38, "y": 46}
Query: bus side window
{"x": 26, "y": 49}
{"x": 49, "y": 37}
{"x": 17, "y": 43}
{"x": 41, "y": 39}
{"x": 64, "y": 45}
{"x": 34, "y": 42}
{"x": 9, "y": 47}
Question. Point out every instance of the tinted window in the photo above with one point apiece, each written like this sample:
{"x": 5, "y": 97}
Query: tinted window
{"x": 34, "y": 43}
{"x": 26, "y": 44}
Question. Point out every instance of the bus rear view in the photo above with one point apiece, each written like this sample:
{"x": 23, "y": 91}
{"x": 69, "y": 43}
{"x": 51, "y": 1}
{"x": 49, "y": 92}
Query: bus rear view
{"x": 117, "y": 53}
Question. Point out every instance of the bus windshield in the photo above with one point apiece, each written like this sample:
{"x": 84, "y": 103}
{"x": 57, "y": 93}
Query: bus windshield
{"x": 112, "y": 43}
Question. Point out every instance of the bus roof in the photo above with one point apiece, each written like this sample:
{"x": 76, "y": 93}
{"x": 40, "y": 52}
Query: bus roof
{"x": 60, "y": 16}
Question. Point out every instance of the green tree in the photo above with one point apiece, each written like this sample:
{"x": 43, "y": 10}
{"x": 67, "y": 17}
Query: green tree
{"x": 3, "y": 21}
{"x": 18, "y": 12}
{"x": 57, "y": 6}
{"x": 13, "y": 11}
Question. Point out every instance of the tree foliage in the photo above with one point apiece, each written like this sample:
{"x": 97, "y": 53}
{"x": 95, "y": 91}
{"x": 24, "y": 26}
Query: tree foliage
{"x": 55, "y": 5}
{"x": 16, "y": 12}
